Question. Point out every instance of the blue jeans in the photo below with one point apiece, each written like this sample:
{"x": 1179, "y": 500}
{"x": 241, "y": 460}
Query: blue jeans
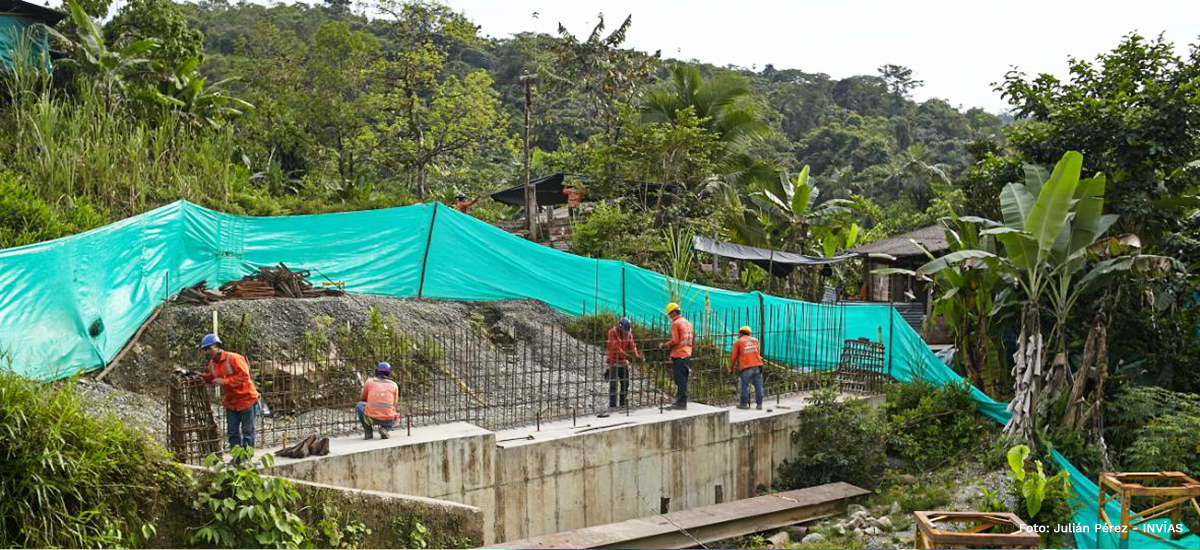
{"x": 367, "y": 421}
{"x": 748, "y": 376}
{"x": 240, "y": 426}
{"x": 680, "y": 369}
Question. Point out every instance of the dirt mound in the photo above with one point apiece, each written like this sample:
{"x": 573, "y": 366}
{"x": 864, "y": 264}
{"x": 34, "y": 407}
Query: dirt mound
{"x": 263, "y": 326}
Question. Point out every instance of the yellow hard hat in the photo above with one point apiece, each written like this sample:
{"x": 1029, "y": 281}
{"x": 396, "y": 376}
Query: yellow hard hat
{"x": 672, "y": 307}
{"x": 745, "y": 330}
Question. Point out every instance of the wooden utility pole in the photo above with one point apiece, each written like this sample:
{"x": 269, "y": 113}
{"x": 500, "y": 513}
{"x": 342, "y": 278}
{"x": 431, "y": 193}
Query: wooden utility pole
{"x": 530, "y": 196}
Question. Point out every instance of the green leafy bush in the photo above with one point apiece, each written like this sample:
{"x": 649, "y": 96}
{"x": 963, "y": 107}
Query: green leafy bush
{"x": 928, "y": 493}
{"x": 932, "y": 425}
{"x": 70, "y": 480}
{"x": 1044, "y": 500}
{"x": 248, "y": 510}
{"x": 1152, "y": 429}
{"x": 837, "y": 441}
{"x": 26, "y": 218}
{"x": 617, "y": 233}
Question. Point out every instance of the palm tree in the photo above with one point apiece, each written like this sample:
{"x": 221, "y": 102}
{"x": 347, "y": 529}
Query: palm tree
{"x": 918, "y": 175}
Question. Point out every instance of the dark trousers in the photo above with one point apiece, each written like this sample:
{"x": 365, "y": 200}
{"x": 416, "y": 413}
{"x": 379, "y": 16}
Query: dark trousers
{"x": 750, "y": 376}
{"x": 680, "y": 369}
{"x": 368, "y": 422}
{"x": 617, "y": 375}
{"x": 240, "y": 427}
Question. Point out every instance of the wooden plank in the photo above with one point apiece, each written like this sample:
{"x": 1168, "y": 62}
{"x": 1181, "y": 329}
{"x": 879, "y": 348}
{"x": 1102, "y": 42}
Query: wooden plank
{"x": 689, "y": 528}
{"x": 129, "y": 345}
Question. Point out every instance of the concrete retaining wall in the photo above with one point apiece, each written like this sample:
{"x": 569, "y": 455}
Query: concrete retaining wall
{"x": 569, "y": 475}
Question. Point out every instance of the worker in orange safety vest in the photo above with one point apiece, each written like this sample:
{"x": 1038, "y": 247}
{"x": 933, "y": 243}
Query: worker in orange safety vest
{"x": 680, "y": 345}
{"x": 231, "y": 371}
{"x": 377, "y": 405}
{"x": 746, "y": 361}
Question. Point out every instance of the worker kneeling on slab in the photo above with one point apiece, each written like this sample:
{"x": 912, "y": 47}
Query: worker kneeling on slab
{"x": 746, "y": 361}
{"x": 377, "y": 407}
{"x": 231, "y": 371}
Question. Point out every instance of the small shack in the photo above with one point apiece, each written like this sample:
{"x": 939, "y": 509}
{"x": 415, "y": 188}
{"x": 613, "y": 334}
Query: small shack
{"x": 910, "y": 296}
{"x": 23, "y": 32}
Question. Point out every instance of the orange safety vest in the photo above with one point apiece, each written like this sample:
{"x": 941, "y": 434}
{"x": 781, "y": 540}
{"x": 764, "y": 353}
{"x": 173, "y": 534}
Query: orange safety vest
{"x": 239, "y": 390}
{"x": 380, "y": 395}
{"x": 746, "y": 353}
{"x": 681, "y": 338}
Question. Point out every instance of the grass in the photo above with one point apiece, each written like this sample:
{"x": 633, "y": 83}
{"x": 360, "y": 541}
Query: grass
{"x": 71, "y": 480}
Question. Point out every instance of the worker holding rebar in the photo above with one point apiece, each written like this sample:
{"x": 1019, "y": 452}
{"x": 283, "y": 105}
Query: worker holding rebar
{"x": 231, "y": 371}
{"x": 680, "y": 345}
{"x": 620, "y": 349}
{"x": 377, "y": 405}
{"x": 746, "y": 361}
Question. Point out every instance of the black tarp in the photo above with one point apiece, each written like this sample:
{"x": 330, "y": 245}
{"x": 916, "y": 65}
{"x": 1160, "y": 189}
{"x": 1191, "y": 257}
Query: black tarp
{"x": 780, "y": 264}
{"x": 549, "y": 192}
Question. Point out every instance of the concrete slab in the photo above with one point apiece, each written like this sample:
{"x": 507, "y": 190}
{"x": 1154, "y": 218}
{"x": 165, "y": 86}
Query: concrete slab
{"x": 561, "y": 429}
{"x": 348, "y": 445}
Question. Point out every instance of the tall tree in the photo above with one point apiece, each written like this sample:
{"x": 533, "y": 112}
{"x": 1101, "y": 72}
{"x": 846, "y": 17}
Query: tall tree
{"x": 900, "y": 80}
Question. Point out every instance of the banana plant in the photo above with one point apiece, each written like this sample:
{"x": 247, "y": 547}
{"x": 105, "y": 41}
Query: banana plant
{"x": 1051, "y": 225}
{"x": 110, "y": 66}
{"x": 184, "y": 89}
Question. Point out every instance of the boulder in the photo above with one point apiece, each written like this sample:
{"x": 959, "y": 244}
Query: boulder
{"x": 906, "y": 479}
{"x": 854, "y": 508}
{"x": 884, "y": 523}
{"x": 813, "y": 537}
{"x": 896, "y": 509}
{"x": 874, "y": 531}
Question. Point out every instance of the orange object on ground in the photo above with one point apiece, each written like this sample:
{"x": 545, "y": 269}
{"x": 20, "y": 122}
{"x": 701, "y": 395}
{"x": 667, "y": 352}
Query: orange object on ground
{"x": 234, "y": 372}
{"x": 681, "y": 338}
{"x": 746, "y": 354}
{"x": 380, "y": 394}
{"x": 620, "y": 346}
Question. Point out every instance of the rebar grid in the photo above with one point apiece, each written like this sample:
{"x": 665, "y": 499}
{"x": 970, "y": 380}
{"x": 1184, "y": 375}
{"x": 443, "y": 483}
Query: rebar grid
{"x": 531, "y": 374}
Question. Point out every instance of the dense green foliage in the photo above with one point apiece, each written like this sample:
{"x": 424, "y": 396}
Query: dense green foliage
{"x": 932, "y": 426}
{"x": 837, "y": 441}
{"x": 244, "y": 509}
{"x": 1044, "y": 499}
{"x": 1152, "y": 429}
{"x": 70, "y": 480}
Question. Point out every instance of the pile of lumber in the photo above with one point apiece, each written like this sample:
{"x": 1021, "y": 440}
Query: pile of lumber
{"x": 267, "y": 282}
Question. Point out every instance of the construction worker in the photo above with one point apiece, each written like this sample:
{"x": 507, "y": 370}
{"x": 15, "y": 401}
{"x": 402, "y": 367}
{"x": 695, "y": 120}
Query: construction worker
{"x": 619, "y": 348}
{"x": 377, "y": 407}
{"x": 680, "y": 345}
{"x": 462, "y": 204}
{"x": 231, "y": 371}
{"x": 746, "y": 361}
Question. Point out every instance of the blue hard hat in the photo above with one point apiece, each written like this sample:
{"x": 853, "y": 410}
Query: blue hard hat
{"x": 208, "y": 340}
{"x": 383, "y": 366}
{"x": 624, "y": 324}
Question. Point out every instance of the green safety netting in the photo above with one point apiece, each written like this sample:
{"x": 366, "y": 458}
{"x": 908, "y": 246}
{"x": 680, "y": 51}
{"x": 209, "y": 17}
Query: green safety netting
{"x": 70, "y": 304}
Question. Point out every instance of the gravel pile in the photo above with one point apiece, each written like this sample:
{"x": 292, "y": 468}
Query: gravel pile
{"x": 137, "y": 410}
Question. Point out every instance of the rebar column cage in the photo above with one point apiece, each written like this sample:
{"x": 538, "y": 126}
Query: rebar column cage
{"x": 502, "y": 370}
{"x": 977, "y": 531}
{"x": 1168, "y": 494}
{"x": 861, "y": 366}
{"x": 191, "y": 428}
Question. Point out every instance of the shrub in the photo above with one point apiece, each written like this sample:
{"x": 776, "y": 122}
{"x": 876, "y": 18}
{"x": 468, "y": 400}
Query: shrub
{"x": 616, "y": 233}
{"x": 72, "y": 480}
{"x": 1147, "y": 428}
{"x": 248, "y": 510}
{"x": 26, "y": 218}
{"x": 932, "y": 425}
{"x": 928, "y": 493}
{"x": 1042, "y": 500}
{"x": 837, "y": 441}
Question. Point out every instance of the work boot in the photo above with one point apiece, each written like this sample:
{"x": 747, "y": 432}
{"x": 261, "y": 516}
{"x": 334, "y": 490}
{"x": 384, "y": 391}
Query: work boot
{"x": 677, "y": 407}
{"x": 746, "y": 407}
{"x": 383, "y": 433}
{"x": 759, "y": 406}
{"x": 605, "y": 414}
{"x": 367, "y": 434}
